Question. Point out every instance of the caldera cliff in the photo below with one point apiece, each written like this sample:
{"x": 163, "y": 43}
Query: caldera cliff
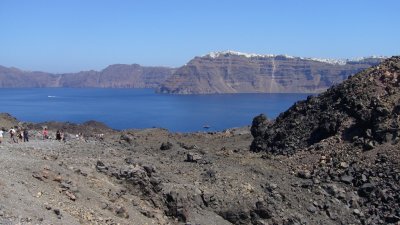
{"x": 114, "y": 76}
{"x": 235, "y": 72}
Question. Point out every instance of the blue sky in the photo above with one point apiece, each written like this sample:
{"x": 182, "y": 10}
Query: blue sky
{"x": 74, "y": 35}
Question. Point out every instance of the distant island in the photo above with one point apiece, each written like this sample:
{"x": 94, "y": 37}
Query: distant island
{"x": 114, "y": 76}
{"x": 214, "y": 73}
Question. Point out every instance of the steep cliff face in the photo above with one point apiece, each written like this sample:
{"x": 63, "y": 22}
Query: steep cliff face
{"x": 114, "y": 76}
{"x": 118, "y": 76}
{"x": 224, "y": 72}
{"x": 232, "y": 72}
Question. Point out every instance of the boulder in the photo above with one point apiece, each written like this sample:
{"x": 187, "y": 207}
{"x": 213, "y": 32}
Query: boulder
{"x": 166, "y": 146}
{"x": 193, "y": 157}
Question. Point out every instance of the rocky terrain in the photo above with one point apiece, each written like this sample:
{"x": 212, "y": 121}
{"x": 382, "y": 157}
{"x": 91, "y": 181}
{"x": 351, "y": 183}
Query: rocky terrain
{"x": 332, "y": 159}
{"x": 114, "y": 76}
{"x": 234, "y": 72}
{"x": 349, "y": 135}
{"x": 363, "y": 109}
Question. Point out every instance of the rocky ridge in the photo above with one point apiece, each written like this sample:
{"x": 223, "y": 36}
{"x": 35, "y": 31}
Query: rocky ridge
{"x": 220, "y": 72}
{"x": 232, "y": 72}
{"x": 114, "y": 76}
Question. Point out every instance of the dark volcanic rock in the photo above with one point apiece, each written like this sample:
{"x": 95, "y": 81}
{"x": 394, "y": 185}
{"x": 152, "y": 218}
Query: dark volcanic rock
{"x": 347, "y": 179}
{"x": 355, "y": 128}
{"x": 166, "y": 146}
{"x": 263, "y": 211}
{"x": 176, "y": 205}
{"x": 237, "y": 216}
{"x": 362, "y": 109}
{"x": 259, "y": 125}
{"x": 366, "y": 189}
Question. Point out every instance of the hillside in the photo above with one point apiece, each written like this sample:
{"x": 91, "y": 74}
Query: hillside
{"x": 13, "y": 78}
{"x": 114, "y": 76}
{"x": 234, "y": 72}
{"x": 349, "y": 135}
{"x": 332, "y": 159}
{"x": 364, "y": 108}
{"x": 118, "y": 76}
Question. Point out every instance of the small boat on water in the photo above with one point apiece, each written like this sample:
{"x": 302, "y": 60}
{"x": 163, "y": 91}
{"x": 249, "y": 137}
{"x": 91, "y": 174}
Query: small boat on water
{"x": 206, "y": 126}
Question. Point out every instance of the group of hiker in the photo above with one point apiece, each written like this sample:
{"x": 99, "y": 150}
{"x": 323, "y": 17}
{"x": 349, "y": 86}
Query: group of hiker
{"x": 60, "y": 135}
{"x": 20, "y": 134}
{"x": 17, "y": 134}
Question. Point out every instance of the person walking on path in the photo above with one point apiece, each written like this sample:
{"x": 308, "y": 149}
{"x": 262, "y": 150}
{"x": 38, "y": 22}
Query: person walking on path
{"x": 20, "y": 134}
{"x": 26, "y": 135}
{"x": 45, "y": 134}
{"x": 63, "y": 136}
{"x": 58, "y": 135}
{"x": 1, "y": 134}
{"x": 12, "y": 133}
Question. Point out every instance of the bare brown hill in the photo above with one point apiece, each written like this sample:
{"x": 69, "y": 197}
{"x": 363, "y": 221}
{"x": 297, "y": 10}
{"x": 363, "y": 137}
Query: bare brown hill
{"x": 118, "y": 76}
{"x": 114, "y": 76}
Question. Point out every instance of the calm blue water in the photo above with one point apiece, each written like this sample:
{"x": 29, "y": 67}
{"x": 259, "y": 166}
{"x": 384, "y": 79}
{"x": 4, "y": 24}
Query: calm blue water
{"x": 142, "y": 108}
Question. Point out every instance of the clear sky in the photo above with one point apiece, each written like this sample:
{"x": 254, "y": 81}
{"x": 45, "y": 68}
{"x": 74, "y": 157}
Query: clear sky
{"x": 74, "y": 35}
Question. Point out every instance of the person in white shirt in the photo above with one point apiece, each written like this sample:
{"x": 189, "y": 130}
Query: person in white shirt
{"x": 1, "y": 135}
{"x": 12, "y": 133}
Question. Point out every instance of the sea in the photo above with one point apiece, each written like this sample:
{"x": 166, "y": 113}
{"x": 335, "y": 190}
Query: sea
{"x": 142, "y": 108}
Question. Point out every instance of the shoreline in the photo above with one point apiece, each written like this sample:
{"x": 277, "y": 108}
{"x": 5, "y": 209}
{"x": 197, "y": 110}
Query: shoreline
{"x": 96, "y": 126}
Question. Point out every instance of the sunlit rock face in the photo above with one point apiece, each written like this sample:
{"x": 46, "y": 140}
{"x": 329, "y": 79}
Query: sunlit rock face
{"x": 233, "y": 72}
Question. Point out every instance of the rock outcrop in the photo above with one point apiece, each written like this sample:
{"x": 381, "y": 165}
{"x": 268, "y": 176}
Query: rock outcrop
{"x": 364, "y": 109}
{"x": 7, "y": 121}
{"x": 233, "y": 72}
{"x": 344, "y": 144}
